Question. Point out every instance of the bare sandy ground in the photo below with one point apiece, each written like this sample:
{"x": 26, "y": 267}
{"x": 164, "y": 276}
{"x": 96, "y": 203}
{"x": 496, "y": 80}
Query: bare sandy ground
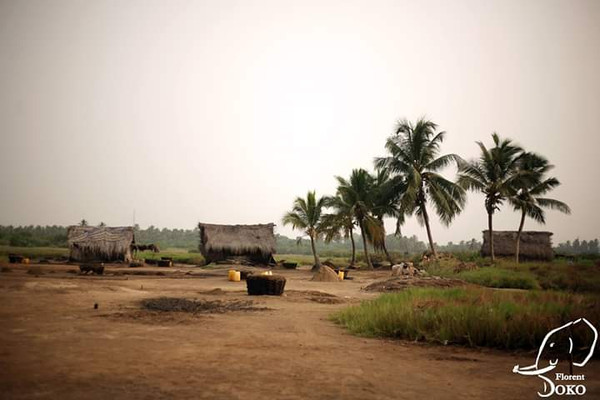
{"x": 55, "y": 345}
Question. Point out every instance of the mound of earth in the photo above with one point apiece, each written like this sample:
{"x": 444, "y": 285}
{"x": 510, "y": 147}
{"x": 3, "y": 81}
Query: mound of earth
{"x": 197, "y": 306}
{"x": 398, "y": 283}
{"x": 325, "y": 274}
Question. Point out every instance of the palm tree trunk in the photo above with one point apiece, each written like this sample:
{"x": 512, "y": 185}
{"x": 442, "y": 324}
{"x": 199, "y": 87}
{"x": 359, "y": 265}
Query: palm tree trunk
{"x": 491, "y": 233}
{"x": 519, "y": 236}
{"x": 383, "y": 245}
{"x": 317, "y": 264}
{"x": 387, "y": 254}
{"x": 426, "y": 220}
{"x": 353, "y": 259}
{"x": 364, "y": 239}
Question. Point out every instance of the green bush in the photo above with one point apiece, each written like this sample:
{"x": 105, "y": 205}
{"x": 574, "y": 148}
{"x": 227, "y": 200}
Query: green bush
{"x": 468, "y": 316}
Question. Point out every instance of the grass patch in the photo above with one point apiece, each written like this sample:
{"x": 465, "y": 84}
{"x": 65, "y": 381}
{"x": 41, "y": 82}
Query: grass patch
{"x": 505, "y": 273}
{"x": 472, "y": 317}
{"x": 180, "y": 256}
{"x": 33, "y": 252}
{"x": 303, "y": 259}
{"x": 500, "y": 278}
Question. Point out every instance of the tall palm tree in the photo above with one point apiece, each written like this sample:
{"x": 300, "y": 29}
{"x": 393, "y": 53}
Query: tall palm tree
{"x": 306, "y": 215}
{"x": 340, "y": 223}
{"x": 414, "y": 155}
{"x": 495, "y": 174}
{"x": 387, "y": 192}
{"x": 528, "y": 195}
{"x": 358, "y": 192}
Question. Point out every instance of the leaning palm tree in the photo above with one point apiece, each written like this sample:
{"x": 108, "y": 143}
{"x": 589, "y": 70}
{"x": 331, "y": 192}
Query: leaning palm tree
{"x": 528, "y": 195}
{"x": 414, "y": 156}
{"x": 496, "y": 173}
{"x": 358, "y": 192}
{"x": 306, "y": 215}
{"x": 340, "y": 223}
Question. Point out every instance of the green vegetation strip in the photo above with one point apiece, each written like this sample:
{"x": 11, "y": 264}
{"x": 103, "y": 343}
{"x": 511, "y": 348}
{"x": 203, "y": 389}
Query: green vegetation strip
{"x": 473, "y": 317}
{"x": 582, "y": 276}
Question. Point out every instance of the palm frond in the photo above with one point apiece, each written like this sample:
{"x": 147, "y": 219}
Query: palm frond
{"x": 553, "y": 205}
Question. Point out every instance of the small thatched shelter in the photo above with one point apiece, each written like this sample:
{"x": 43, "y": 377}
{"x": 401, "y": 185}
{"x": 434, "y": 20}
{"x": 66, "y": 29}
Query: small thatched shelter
{"x": 534, "y": 245}
{"x": 89, "y": 243}
{"x": 255, "y": 243}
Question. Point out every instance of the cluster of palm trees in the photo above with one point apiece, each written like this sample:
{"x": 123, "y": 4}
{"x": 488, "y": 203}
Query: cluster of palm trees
{"x": 407, "y": 182}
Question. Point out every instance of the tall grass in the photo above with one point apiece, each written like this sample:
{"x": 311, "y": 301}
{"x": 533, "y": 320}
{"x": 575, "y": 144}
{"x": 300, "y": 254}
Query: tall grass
{"x": 473, "y": 317}
{"x": 501, "y": 278}
{"x": 505, "y": 273}
{"x": 487, "y": 276}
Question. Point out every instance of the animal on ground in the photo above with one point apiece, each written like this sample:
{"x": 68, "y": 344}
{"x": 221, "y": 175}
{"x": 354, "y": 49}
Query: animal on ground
{"x": 96, "y": 269}
{"x": 404, "y": 268}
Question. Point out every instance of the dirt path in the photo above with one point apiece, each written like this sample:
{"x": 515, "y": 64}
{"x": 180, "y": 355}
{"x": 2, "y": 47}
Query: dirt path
{"x": 55, "y": 345}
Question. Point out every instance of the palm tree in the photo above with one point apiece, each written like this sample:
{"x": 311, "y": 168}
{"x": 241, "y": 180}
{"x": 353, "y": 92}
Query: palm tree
{"x": 340, "y": 223}
{"x": 101, "y": 225}
{"x": 83, "y": 222}
{"x": 495, "y": 174}
{"x": 387, "y": 191}
{"x": 306, "y": 215}
{"x": 528, "y": 196}
{"x": 414, "y": 156}
{"x": 358, "y": 192}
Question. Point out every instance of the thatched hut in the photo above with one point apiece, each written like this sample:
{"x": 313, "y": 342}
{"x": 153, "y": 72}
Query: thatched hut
{"x": 535, "y": 245}
{"x": 254, "y": 243}
{"x": 106, "y": 244}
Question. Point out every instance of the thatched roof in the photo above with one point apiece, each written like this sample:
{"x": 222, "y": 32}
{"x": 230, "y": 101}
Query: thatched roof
{"x": 237, "y": 239}
{"x": 101, "y": 243}
{"x": 535, "y": 245}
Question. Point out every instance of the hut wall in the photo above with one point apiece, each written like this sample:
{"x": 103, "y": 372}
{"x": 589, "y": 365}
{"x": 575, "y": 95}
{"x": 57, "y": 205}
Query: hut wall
{"x": 255, "y": 243}
{"x": 534, "y": 245}
{"x": 255, "y": 257}
{"x": 105, "y": 253}
{"x": 105, "y": 244}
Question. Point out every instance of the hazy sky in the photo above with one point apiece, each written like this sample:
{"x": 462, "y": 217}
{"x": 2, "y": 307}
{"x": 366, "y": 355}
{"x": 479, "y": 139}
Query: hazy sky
{"x": 224, "y": 111}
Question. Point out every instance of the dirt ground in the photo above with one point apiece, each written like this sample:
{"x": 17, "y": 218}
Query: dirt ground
{"x": 55, "y": 345}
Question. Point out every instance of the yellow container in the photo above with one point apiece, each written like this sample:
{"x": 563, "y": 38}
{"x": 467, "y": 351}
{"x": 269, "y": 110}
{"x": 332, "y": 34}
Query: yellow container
{"x": 341, "y": 275}
{"x": 268, "y": 273}
{"x": 234, "y": 276}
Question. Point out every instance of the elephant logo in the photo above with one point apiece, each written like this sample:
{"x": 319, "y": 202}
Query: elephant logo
{"x": 559, "y": 344}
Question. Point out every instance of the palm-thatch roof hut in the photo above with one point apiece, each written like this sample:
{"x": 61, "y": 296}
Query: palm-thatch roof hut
{"x": 255, "y": 243}
{"x": 534, "y": 245}
{"x": 89, "y": 243}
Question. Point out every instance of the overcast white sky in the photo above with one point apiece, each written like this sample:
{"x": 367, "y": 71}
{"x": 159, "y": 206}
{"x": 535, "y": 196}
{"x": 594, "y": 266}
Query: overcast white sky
{"x": 224, "y": 111}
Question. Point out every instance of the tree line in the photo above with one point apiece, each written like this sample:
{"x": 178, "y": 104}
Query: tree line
{"x": 407, "y": 182}
{"x": 56, "y": 236}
